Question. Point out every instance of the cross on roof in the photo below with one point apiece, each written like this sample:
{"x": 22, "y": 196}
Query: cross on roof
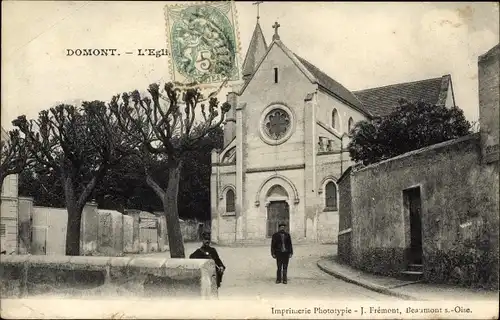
{"x": 276, "y": 35}
{"x": 257, "y": 4}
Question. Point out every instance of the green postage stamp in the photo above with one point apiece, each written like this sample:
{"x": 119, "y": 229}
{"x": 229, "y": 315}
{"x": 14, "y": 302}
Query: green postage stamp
{"x": 203, "y": 42}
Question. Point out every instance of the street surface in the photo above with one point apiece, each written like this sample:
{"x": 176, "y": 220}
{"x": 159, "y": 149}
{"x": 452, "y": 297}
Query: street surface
{"x": 251, "y": 273}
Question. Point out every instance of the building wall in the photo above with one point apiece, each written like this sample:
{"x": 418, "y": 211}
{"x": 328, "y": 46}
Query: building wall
{"x": 326, "y": 105}
{"x": 9, "y": 222}
{"x": 459, "y": 213}
{"x": 489, "y": 96}
{"x": 10, "y": 186}
{"x": 328, "y": 169}
{"x": 9, "y": 214}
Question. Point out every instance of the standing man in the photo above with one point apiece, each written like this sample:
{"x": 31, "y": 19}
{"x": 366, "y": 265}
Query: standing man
{"x": 281, "y": 250}
{"x": 208, "y": 252}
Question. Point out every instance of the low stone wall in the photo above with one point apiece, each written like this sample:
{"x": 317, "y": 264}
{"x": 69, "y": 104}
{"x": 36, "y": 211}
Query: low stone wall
{"x": 80, "y": 276}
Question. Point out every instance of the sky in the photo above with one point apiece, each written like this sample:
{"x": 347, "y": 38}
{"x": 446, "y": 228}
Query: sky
{"x": 361, "y": 45}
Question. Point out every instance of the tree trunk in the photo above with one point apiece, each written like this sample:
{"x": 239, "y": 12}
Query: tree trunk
{"x": 170, "y": 210}
{"x": 73, "y": 230}
{"x": 74, "y": 219}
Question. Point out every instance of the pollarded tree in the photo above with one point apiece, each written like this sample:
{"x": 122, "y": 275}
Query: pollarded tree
{"x": 165, "y": 125}
{"x": 14, "y": 154}
{"x": 410, "y": 126}
{"x": 79, "y": 145}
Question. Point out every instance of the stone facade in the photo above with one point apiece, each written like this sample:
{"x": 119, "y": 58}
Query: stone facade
{"x": 252, "y": 164}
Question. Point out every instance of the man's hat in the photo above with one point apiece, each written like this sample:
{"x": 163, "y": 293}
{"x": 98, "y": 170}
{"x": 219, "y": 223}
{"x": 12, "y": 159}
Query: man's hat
{"x": 282, "y": 224}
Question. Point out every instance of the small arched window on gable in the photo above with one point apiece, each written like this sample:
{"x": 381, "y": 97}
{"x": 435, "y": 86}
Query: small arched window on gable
{"x": 335, "y": 119}
{"x": 230, "y": 205}
{"x": 350, "y": 124}
{"x": 331, "y": 196}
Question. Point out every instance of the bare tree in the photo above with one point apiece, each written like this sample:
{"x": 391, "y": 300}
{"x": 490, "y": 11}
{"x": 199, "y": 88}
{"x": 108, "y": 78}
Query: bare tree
{"x": 80, "y": 145}
{"x": 165, "y": 126}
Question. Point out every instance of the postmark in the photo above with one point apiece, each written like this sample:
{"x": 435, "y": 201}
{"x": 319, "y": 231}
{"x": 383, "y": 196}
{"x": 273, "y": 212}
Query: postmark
{"x": 202, "y": 38}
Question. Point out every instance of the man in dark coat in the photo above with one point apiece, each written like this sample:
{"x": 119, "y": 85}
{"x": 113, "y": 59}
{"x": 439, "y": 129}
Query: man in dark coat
{"x": 282, "y": 251}
{"x": 208, "y": 252}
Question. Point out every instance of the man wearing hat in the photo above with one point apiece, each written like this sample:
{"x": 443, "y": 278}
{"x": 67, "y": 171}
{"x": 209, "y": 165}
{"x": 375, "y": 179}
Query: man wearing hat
{"x": 281, "y": 250}
{"x": 208, "y": 252}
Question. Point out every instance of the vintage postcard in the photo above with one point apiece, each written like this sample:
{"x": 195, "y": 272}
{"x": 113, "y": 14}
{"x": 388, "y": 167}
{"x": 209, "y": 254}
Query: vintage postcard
{"x": 249, "y": 160}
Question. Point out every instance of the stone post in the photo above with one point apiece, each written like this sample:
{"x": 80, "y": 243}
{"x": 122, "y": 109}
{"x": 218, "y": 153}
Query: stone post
{"x": 135, "y": 229}
{"x": 162, "y": 233}
{"x": 25, "y": 218}
{"x": 89, "y": 229}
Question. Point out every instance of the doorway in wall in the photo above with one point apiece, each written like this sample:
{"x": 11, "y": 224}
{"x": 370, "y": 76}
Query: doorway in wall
{"x": 277, "y": 212}
{"x": 413, "y": 210}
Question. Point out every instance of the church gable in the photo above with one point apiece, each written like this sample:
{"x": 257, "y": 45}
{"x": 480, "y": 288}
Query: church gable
{"x": 282, "y": 66}
{"x": 274, "y": 99}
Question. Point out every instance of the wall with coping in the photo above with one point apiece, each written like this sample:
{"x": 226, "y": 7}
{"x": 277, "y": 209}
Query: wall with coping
{"x": 459, "y": 213}
{"x": 78, "y": 276}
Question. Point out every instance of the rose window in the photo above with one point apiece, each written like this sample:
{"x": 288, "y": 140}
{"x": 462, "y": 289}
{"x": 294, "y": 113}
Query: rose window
{"x": 277, "y": 123}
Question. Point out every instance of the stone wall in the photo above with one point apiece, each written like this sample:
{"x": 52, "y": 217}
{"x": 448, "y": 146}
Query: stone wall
{"x": 89, "y": 230}
{"x": 65, "y": 276}
{"x": 104, "y": 232}
{"x": 459, "y": 213}
{"x": 345, "y": 216}
{"x": 110, "y": 236}
{"x": 25, "y": 216}
{"x": 489, "y": 96}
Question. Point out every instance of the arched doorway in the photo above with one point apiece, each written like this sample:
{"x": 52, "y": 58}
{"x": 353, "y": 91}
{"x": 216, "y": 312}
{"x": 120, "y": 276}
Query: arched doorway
{"x": 278, "y": 209}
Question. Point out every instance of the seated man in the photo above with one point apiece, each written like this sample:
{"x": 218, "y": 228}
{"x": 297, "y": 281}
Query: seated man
{"x": 207, "y": 252}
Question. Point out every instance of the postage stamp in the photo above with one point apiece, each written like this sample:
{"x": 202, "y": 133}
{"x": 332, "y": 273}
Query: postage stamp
{"x": 203, "y": 42}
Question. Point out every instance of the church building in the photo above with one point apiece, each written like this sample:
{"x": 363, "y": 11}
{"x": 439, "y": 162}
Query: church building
{"x": 285, "y": 141}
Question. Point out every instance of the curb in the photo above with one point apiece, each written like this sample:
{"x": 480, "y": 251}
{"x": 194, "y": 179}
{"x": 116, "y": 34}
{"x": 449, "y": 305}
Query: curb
{"x": 364, "y": 284}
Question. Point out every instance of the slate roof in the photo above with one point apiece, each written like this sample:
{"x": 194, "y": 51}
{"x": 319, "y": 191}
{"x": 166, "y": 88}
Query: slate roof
{"x": 256, "y": 50}
{"x": 490, "y": 53}
{"x": 333, "y": 86}
{"x": 382, "y": 100}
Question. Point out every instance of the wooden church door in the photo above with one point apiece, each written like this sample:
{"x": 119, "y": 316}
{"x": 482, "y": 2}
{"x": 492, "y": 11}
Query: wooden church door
{"x": 277, "y": 212}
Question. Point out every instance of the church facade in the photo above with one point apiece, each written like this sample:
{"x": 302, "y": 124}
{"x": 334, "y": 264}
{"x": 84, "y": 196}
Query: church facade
{"x": 285, "y": 141}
